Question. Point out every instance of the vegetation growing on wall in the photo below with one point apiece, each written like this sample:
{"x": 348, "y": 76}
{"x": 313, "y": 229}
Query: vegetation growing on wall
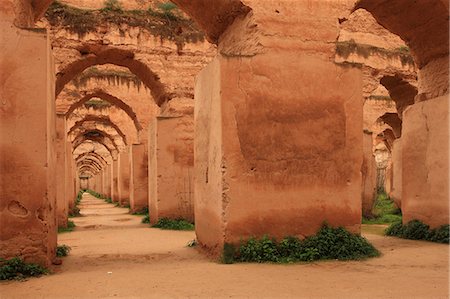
{"x": 165, "y": 21}
{"x": 16, "y": 268}
{"x": 417, "y": 230}
{"x": 328, "y": 243}
{"x": 345, "y": 48}
{"x": 113, "y": 77}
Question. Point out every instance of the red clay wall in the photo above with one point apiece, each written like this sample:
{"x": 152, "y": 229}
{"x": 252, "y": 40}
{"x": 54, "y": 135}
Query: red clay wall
{"x": 27, "y": 130}
{"x": 425, "y": 155}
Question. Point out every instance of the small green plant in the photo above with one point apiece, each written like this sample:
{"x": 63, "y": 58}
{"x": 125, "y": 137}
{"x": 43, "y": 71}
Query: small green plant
{"x": 174, "y": 224}
{"x": 62, "y": 250}
{"x": 69, "y": 228}
{"x": 108, "y": 200}
{"x": 146, "y": 219}
{"x": 16, "y": 268}
{"x": 417, "y": 230}
{"x": 229, "y": 251}
{"x": 165, "y": 10}
{"x": 328, "y": 243}
{"x": 112, "y": 5}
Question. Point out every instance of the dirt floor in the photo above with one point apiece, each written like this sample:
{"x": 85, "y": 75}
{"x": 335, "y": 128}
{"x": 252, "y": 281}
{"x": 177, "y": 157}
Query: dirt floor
{"x": 115, "y": 256}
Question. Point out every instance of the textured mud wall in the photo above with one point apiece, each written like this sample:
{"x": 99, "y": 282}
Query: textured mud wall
{"x": 290, "y": 150}
{"x": 139, "y": 177}
{"x": 368, "y": 171}
{"x": 396, "y": 192}
{"x": 208, "y": 184}
{"x": 174, "y": 175}
{"x": 115, "y": 181}
{"x": 60, "y": 145}
{"x": 425, "y": 155}
{"x": 124, "y": 177}
{"x": 27, "y": 130}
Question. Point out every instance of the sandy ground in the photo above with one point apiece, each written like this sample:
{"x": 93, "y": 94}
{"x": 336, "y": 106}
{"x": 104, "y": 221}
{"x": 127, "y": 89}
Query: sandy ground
{"x": 115, "y": 256}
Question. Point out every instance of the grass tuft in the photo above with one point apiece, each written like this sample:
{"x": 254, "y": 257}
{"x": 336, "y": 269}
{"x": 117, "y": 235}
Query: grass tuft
{"x": 174, "y": 224}
{"x": 70, "y": 226}
{"x": 62, "y": 250}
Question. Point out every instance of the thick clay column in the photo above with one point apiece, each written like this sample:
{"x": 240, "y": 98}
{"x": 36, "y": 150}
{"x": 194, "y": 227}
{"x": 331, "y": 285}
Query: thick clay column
{"x": 104, "y": 177}
{"x": 61, "y": 199}
{"x": 69, "y": 177}
{"x": 278, "y": 141}
{"x": 396, "y": 192}
{"x": 369, "y": 173}
{"x": 139, "y": 177}
{"x": 425, "y": 162}
{"x": 108, "y": 180}
{"x": 171, "y": 168}
{"x": 124, "y": 177}
{"x": 27, "y": 143}
{"x": 115, "y": 180}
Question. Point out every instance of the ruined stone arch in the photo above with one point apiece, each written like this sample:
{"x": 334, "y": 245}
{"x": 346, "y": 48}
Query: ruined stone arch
{"x": 111, "y": 152}
{"x": 100, "y": 120}
{"x": 91, "y": 162}
{"x": 400, "y": 90}
{"x": 99, "y": 157}
{"x": 100, "y": 55}
{"x": 101, "y": 94}
{"x": 104, "y": 139}
{"x": 394, "y": 121}
{"x": 423, "y": 25}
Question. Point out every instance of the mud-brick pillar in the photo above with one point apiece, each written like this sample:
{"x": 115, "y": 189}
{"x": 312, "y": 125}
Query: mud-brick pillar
{"x": 396, "y": 192}
{"x": 115, "y": 180}
{"x": 99, "y": 182}
{"x": 61, "y": 199}
{"x": 27, "y": 144}
{"x": 369, "y": 174}
{"x": 171, "y": 168}
{"x": 139, "y": 177}
{"x": 69, "y": 177}
{"x": 104, "y": 177}
{"x": 278, "y": 135}
{"x": 108, "y": 180}
{"x": 425, "y": 162}
{"x": 124, "y": 177}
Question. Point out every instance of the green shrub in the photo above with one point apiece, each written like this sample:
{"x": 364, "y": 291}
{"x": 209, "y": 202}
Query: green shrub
{"x": 228, "y": 254}
{"x": 328, "y": 243}
{"x": 395, "y": 229}
{"x": 112, "y": 5}
{"x": 108, "y": 200}
{"x": 146, "y": 219}
{"x": 417, "y": 230}
{"x": 16, "y": 268}
{"x": 69, "y": 228}
{"x": 440, "y": 235}
{"x": 62, "y": 250}
{"x": 174, "y": 224}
